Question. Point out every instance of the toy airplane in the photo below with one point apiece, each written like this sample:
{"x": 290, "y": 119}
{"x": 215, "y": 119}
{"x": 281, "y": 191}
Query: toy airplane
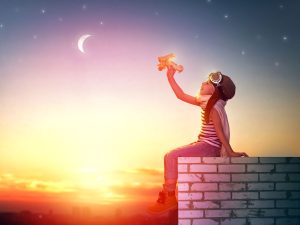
{"x": 166, "y": 61}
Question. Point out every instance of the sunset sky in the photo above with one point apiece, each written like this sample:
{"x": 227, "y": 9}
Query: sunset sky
{"x": 93, "y": 127}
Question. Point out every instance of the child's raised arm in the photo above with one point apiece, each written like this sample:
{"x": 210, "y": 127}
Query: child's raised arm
{"x": 178, "y": 91}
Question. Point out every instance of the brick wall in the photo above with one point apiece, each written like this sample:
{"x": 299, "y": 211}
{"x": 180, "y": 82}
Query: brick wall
{"x": 241, "y": 191}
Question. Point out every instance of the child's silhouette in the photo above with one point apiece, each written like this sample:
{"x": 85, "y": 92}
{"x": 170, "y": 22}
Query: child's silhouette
{"x": 213, "y": 140}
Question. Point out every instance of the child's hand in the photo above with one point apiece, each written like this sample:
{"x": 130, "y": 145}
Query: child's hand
{"x": 239, "y": 154}
{"x": 243, "y": 154}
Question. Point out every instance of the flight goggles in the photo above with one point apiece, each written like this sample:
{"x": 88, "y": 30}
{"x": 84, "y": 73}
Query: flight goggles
{"x": 215, "y": 78}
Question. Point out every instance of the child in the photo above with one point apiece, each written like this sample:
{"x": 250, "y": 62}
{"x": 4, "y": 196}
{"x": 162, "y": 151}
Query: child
{"x": 213, "y": 140}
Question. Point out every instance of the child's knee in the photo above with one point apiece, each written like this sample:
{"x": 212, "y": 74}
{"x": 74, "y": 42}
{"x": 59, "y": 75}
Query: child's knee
{"x": 166, "y": 157}
{"x": 170, "y": 154}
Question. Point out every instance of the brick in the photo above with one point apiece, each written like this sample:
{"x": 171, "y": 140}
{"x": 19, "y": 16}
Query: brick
{"x": 185, "y": 204}
{"x": 264, "y": 221}
{"x": 244, "y": 195}
{"x": 261, "y": 204}
{"x": 272, "y": 177}
{"x": 244, "y": 160}
{"x": 293, "y": 159}
{"x": 244, "y": 177}
{"x": 288, "y": 186}
{"x": 260, "y": 186}
{"x": 206, "y": 204}
{"x": 217, "y": 213}
{"x": 272, "y": 194}
{"x": 273, "y": 212}
{"x": 216, "y": 160}
{"x": 295, "y": 195}
{"x": 233, "y": 204}
{"x": 190, "y": 196}
{"x": 233, "y": 221}
{"x": 184, "y": 222}
{"x": 185, "y": 177}
{"x": 294, "y": 177}
{"x": 231, "y": 168}
{"x": 183, "y": 187}
{"x": 260, "y": 168}
{"x": 217, "y": 195}
{"x": 189, "y": 160}
{"x": 289, "y": 221}
{"x": 216, "y": 177}
{"x": 287, "y": 204}
{"x": 232, "y": 187}
{"x": 204, "y": 187}
{"x": 182, "y": 168}
{"x": 294, "y": 212}
{"x": 272, "y": 159}
{"x": 288, "y": 168}
{"x": 247, "y": 212}
{"x": 205, "y": 222}
{"x": 203, "y": 168}
{"x": 190, "y": 214}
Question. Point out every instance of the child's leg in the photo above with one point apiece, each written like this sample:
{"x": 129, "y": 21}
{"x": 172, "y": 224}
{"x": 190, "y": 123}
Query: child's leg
{"x": 198, "y": 149}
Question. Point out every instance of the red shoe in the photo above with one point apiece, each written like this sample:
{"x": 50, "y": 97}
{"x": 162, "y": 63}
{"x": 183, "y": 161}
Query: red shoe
{"x": 166, "y": 201}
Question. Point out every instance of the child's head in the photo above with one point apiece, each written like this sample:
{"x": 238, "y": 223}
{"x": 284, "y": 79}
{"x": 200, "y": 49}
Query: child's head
{"x": 222, "y": 84}
{"x": 223, "y": 88}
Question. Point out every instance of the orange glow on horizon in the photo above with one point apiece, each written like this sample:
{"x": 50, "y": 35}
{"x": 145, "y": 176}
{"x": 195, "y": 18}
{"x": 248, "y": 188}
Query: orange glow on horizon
{"x": 89, "y": 188}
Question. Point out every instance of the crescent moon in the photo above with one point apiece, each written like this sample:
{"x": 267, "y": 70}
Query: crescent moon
{"x": 81, "y": 41}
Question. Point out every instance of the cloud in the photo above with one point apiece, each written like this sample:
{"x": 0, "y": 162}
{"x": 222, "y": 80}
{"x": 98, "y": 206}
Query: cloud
{"x": 137, "y": 191}
{"x": 131, "y": 185}
{"x": 144, "y": 171}
{"x": 11, "y": 182}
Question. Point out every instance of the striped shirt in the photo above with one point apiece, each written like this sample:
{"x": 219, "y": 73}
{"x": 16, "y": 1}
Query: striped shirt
{"x": 208, "y": 132}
